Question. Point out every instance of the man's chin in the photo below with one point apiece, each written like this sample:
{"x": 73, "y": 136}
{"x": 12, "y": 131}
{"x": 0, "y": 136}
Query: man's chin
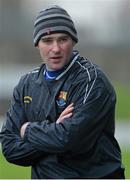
{"x": 57, "y": 67}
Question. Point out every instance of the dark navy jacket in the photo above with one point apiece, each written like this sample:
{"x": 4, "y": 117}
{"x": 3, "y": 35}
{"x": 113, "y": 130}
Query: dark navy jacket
{"x": 82, "y": 146}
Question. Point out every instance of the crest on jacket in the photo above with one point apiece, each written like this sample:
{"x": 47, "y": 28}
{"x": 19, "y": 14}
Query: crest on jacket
{"x": 61, "y": 100}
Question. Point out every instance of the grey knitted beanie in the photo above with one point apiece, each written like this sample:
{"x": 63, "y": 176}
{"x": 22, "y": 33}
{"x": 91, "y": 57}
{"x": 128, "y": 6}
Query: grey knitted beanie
{"x": 53, "y": 20}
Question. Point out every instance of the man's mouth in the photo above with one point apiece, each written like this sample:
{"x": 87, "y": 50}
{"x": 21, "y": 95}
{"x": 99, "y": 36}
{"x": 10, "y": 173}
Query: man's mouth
{"x": 56, "y": 58}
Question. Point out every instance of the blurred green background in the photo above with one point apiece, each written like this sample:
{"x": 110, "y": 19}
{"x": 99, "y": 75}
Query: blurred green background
{"x": 103, "y": 29}
{"x": 123, "y": 101}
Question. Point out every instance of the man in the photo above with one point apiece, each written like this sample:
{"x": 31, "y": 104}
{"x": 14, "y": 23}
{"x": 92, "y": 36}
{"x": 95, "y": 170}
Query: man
{"x": 61, "y": 120}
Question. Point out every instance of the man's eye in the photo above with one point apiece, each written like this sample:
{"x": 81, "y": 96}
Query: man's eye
{"x": 64, "y": 39}
{"x": 46, "y": 40}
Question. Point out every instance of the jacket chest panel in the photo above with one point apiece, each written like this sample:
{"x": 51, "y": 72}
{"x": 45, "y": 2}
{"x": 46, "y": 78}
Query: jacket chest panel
{"x": 36, "y": 100}
{"x": 42, "y": 102}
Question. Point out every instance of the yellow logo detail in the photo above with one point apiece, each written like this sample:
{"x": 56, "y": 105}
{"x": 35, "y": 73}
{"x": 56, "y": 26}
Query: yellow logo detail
{"x": 27, "y": 99}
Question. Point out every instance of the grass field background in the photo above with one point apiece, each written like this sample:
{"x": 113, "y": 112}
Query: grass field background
{"x": 123, "y": 102}
{"x": 10, "y": 171}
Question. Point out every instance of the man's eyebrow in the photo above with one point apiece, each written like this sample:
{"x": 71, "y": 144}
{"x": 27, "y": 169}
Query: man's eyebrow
{"x": 45, "y": 38}
{"x": 64, "y": 36}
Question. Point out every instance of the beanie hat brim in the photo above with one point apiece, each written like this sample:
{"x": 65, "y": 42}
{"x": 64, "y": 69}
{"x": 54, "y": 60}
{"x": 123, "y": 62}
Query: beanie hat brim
{"x": 53, "y": 20}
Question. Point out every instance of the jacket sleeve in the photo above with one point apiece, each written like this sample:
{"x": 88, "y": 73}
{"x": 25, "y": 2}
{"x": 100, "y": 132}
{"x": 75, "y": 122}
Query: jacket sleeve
{"x": 92, "y": 104}
{"x": 14, "y": 148}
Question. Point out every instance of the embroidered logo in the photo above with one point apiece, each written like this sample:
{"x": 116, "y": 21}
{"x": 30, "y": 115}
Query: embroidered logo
{"x": 27, "y": 99}
{"x": 61, "y": 101}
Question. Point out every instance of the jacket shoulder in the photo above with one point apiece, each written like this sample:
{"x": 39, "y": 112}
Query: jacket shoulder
{"x": 84, "y": 69}
{"x": 29, "y": 77}
{"x": 87, "y": 71}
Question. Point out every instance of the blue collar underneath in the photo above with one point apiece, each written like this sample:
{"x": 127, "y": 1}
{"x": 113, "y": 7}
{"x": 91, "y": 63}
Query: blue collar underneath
{"x": 49, "y": 75}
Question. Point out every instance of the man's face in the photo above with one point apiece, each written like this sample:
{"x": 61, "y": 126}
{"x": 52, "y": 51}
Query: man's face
{"x": 56, "y": 50}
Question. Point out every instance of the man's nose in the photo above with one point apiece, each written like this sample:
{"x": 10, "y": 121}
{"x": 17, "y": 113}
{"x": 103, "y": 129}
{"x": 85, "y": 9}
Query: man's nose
{"x": 56, "y": 47}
